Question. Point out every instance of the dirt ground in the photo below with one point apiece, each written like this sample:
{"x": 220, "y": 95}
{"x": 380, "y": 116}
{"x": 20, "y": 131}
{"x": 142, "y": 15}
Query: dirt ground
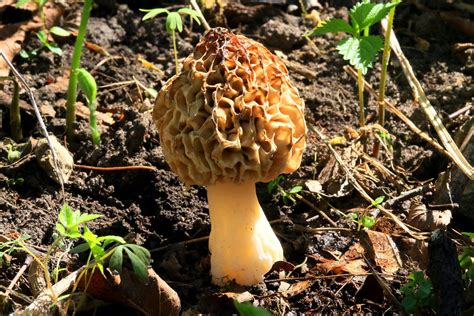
{"x": 171, "y": 220}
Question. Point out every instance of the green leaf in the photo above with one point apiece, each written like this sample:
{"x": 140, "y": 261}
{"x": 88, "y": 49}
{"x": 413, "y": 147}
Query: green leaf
{"x": 248, "y": 309}
{"x": 471, "y": 235}
{"x": 378, "y": 200}
{"x": 409, "y": 303}
{"x": 368, "y": 221}
{"x": 65, "y": 215}
{"x": 295, "y": 189}
{"x": 87, "y": 84}
{"x": 21, "y": 3}
{"x": 193, "y": 13}
{"x": 274, "y": 183}
{"x": 41, "y": 35}
{"x": 111, "y": 238}
{"x": 331, "y": 26}
{"x": 141, "y": 253}
{"x": 366, "y": 14}
{"x": 360, "y": 52}
{"x": 86, "y": 217}
{"x": 116, "y": 259}
{"x": 60, "y": 228}
{"x": 80, "y": 248}
{"x": 425, "y": 290}
{"x": 173, "y": 22}
{"x": 59, "y": 31}
{"x": 54, "y": 48}
{"x": 24, "y": 54}
{"x": 152, "y": 13}
{"x": 152, "y": 92}
{"x": 138, "y": 266}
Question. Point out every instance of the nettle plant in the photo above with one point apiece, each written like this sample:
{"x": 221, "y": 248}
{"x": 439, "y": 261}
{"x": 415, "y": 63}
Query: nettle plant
{"x": 359, "y": 48}
{"x": 173, "y": 22}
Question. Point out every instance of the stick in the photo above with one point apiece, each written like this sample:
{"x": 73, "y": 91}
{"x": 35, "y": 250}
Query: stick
{"x": 430, "y": 112}
{"x": 39, "y": 118}
{"x": 122, "y": 168}
{"x": 408, "y": 194}
{"x": 203, "y": 19}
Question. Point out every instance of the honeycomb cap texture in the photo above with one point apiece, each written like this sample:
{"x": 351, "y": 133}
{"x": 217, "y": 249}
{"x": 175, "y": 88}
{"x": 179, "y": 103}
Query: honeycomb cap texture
{"x": 231, "y": 114}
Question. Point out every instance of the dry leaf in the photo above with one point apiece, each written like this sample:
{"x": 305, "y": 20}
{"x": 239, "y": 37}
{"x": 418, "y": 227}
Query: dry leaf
{"x": 382, "y": 250}
{"x": 420, "y": 217}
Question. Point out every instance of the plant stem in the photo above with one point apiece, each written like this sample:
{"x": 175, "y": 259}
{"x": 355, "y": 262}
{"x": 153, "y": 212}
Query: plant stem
{"x": 75, "y": 62}
{"x": 173, "y": 34}
{"x": 15, "y": 118}
{"x": 383, "y": 77}
{"x": 360, "y": 86}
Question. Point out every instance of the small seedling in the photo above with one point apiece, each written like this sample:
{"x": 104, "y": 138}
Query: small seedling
{"x": 43, "y": 33}
{"x": 8, "y": 247}
{"x": 288, "y": 196}
{"x": 75, "y": 63}
{"x": 363, "y": 219}
{"x": 418, "y": 293}
{"x": 359, "y": 48}
{"x": 88, "y": 85}
{"x": 15, "y": 116}
{"x": 173, "y": 23}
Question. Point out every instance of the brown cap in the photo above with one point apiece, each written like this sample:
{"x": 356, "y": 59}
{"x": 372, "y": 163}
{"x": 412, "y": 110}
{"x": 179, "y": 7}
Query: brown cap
{"x": 231, "y": 114}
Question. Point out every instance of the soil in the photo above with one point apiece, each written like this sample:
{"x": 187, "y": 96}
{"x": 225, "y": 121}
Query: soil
{"x": 161, "y": 212}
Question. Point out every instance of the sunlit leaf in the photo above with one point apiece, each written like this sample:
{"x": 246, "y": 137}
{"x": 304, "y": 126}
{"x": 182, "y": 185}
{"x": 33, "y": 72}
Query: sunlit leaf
{"x": 152, "y": 13}
{"x": 248, "y": 309}
{"x": 331, "y": 26}
{"x": 59, "y": 31}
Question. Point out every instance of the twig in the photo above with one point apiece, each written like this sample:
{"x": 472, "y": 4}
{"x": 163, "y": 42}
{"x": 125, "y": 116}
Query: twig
{"x": 19, "y": 295}
{"x": 203, "y": 19}
{"x": 419, "y": 96}
{"x": 26, "y": 264}
{"x": 318, "y": 277}
{"x": 408, "y": 194}
{"x": 181, "y": 243}
{"x": 459, "y": 112}
{"x": 122, "y": 168}
{"x": 40, "y": 120}
{"x": 321, "y": 212}
{"x": 312, "y": 230}
{"x": 361, "y": 190}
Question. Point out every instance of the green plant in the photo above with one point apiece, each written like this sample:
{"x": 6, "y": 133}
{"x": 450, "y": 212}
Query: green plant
{"x": 362, "y": 219}
{"x": 288, "y": 196}
{"x": 359, "y": 48}
{"x": 43, "y": 33}
{"x": 418, "y": 293}
{"x": 88, "y": 85}
{"x": 173, "y": 23}
{"x": 8, "y": 247}
{"x": 75, "y": 62}
{"x": 248, "y": 309}
{"x": 383, "y": 75}
{"x": 15, "y": 116}
{"x": 466, "y": 260}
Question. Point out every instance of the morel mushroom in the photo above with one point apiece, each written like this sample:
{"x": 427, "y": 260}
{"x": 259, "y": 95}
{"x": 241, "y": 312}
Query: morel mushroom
{"x": 229, "y": 119}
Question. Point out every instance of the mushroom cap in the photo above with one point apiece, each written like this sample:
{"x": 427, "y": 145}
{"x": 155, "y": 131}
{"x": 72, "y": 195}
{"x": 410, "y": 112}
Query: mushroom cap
{"x": 231, "y": 114}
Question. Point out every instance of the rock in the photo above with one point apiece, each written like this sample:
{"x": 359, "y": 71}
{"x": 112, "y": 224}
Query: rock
{"x": 46, "y": 161}
{"x": 279, "y": 34}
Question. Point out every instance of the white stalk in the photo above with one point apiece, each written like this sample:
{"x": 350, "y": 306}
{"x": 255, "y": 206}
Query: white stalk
{"x": 242, "y": 243}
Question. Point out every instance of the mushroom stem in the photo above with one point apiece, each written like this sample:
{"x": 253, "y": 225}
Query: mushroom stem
{"x": 242, "y": 243}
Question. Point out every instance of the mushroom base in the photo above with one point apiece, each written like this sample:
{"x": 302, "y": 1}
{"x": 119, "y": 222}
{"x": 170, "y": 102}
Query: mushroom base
{"x": 242, "y": 243}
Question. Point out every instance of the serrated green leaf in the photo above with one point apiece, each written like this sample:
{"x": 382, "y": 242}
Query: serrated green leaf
{"x": 65, "y": 215}
{"x": 59, "y": 31}
{"x": 80, "y": 248}
{"x": 248, "y": 309}
{"x": 366, "y": 14}
{"x": 116, "y": 259}
{"x": 86, "y": 217}
{"x": 139, "y": 268}
{"x": 152, "y": 13}
{"x": 173, "y": 22}
{"x": 360, "y": 52}
{"x": 331, "y": 26}
{"x": 60, "y": 229}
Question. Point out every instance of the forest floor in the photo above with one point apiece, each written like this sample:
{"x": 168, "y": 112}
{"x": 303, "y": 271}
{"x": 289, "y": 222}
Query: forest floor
{"x": 334, "y": 263}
